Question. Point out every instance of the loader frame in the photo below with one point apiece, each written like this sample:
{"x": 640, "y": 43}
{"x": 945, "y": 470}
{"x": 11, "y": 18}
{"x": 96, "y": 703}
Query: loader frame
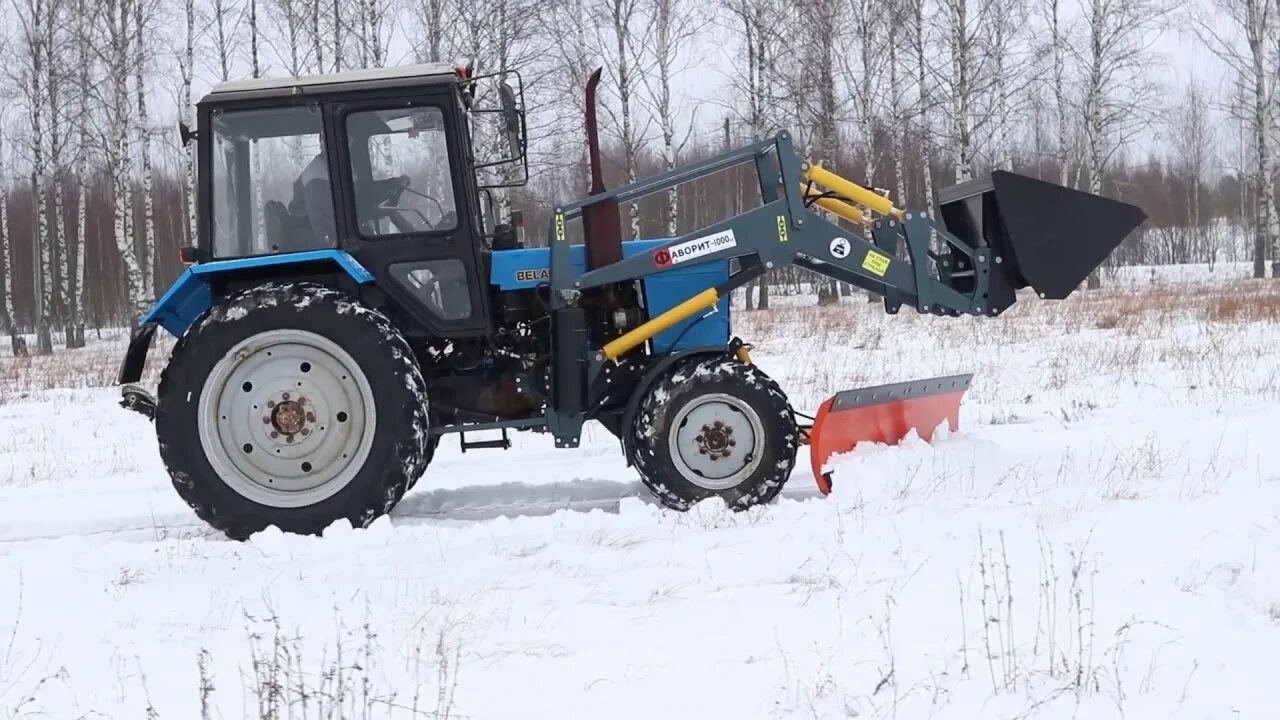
{"x": 782, "y": 231}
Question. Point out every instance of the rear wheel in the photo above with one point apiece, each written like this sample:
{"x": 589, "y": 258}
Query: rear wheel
{"x": 293, "y": 406}
{"x": 714, "y": 427}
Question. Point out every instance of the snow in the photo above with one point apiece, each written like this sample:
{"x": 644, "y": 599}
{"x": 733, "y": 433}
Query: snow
{"x": 1097, "y": 540}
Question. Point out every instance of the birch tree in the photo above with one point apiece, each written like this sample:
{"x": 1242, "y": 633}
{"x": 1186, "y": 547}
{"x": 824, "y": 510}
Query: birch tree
{"x": 1193, "y": 141}
{"x": 224, "y": 19}
{"x": 823, "y": 57}
{"x": 186, "y": 70}
{"x": 961, "y": 42}
{"x": 36, "y": 20}
{"x": 868, "y": 18}
{"x": 923, "y": 106}
{"x": 431, "y": 21}
{"x": 56, "y": 268}
{"x": 116, "y": 48}
{"x": 1003, "y": 30}
{"x": 898, "y": 120}
{"x": 373, "y": 34}
{"x": 617, "y": 23}
{"x": 1120, "y": 98}
{"x": 75, "y": 289}
{"x": 673, "y": 29}
{"x": 759, "y": 22}
{"x": 315, "y": 11}
{"x": 1058, "y": 48}
{"x": 1244, "y": 46}
{"x": 140, "y": 58}
{"x": 574, "y": 54}
{"x": 16, "y": 343}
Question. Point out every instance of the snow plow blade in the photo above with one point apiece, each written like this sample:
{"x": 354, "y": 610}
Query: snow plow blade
{"x": 882, "y": 414}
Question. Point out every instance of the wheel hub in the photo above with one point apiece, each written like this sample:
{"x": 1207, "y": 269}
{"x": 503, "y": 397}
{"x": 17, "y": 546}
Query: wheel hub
{"x": 715, "y": 441}
{"x": 287, "y": 418}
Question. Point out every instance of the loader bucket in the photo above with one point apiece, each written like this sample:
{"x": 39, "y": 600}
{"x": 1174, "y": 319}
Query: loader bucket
{"x": 1047, "y": 236}
{"x": 882, "y": 414}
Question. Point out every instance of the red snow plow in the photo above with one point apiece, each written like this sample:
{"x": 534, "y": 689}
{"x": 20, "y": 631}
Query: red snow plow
{"x": 882, "y": 414}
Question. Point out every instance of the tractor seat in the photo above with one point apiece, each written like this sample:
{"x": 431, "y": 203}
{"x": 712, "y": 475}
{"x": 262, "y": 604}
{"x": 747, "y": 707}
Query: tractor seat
{"x": 279, "y": 225}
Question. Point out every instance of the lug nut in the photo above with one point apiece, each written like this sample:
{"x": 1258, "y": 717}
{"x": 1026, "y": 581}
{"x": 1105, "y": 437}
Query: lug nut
{"x": 274, "y": 435}
{"x": 266, "y": 419}
{"x": 285, "y": 396}
{"x": 311, "y": 417}
{"x": 289, "y": 439}
{"x": 271, "y": 403}
{"x": 306, "y": 431}
{"x": 698, "y": 439}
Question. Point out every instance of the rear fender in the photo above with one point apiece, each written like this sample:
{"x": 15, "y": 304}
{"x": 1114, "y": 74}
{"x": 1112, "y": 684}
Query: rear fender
{"x": 190, "y": 296}
{"x": 647, "y": 380}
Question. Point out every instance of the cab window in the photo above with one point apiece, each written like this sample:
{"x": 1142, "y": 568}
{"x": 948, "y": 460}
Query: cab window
{"x": 400, "y": 172}
{"x": 270, "y": 182}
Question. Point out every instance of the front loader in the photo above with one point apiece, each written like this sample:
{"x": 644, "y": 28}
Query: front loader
{"x": 337, "y": 320}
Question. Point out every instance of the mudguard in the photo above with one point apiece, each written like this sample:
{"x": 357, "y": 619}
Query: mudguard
{"x": 189, "y": 296}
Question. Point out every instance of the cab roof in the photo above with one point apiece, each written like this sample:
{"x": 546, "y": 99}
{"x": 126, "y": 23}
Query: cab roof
{"x": 399, "y": 76}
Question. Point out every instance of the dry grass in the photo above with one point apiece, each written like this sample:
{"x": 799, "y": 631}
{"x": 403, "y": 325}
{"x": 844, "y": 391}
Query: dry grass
{"x": 855, "y": 342}
{"x": 94, "y": 366}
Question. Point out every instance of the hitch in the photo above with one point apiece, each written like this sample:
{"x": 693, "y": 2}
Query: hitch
{"x": 134, "y": 397}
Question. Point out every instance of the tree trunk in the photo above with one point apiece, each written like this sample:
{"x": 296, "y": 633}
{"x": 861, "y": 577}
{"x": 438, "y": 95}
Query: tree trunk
{"x": 148, "y": 265}
{"x": 10, "y": 326}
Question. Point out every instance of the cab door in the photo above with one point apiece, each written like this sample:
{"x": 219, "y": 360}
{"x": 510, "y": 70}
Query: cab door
{"x": 407, "y": 216}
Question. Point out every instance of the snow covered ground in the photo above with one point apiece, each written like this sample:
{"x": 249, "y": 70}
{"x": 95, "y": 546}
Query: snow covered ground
{"x": 1099, "y": 540}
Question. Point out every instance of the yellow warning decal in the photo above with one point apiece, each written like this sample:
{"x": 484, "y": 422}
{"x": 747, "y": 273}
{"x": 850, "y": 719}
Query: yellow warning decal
{"x": 782, "y": 228}
{"x": 559, "y": 227}
{"x": 876, "y": 263}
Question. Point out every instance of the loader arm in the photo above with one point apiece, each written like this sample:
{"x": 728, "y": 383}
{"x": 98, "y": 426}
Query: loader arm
{"x": 787, "y": 230}
{"x": 992, "y": 237}
{"x": 995, "y": 235}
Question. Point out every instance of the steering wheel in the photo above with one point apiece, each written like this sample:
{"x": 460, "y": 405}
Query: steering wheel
{"x": 374, "y": 195}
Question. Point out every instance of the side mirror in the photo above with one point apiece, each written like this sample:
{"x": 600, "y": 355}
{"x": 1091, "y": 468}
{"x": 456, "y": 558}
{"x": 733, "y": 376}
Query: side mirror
{"x": 512, "y": 120}
{"x": 186, "y": 133}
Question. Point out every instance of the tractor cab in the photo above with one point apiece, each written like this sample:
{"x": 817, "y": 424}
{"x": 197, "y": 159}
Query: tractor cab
{"x": 377, "y": 164}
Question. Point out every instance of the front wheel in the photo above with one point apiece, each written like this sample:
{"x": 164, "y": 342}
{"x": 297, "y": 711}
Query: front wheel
{"x": 714, "y": 427}
{"x": 292, "y": 405}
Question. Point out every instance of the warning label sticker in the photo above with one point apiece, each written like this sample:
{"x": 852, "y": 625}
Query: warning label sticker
{"x": 691, "y": 249}
{"x": 875, "y": 263}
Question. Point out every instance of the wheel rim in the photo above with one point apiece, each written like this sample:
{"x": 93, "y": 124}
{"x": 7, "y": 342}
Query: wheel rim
{"x": 716, "y": 441}
{"x": 287, "y": 418}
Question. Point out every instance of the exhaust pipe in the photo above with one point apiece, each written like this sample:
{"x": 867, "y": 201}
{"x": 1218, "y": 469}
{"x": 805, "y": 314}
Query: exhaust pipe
{"x": 1045, "y": 236}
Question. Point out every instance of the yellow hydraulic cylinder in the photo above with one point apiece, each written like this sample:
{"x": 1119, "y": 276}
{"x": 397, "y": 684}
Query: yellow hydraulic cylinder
{"x": 839, "y": 207}
{"x": 854, "y": 192}
{"x": 637, "y": 335}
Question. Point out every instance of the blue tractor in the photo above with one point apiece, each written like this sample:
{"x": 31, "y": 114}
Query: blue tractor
{"x": 345, "y": 306}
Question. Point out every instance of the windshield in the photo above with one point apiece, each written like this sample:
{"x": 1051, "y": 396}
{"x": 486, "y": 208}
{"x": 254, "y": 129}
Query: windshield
{"x": 400, "y": 171}
{"x": 270, "y": 181}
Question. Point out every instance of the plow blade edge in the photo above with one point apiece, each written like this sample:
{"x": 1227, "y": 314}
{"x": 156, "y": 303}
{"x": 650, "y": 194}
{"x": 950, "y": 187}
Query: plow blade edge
{"x": 882, "y": 414}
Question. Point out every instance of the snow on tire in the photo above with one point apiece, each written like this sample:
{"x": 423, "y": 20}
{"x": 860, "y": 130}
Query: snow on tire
{"x": 714, "y": 426}
{"x": 292, "y": 405}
